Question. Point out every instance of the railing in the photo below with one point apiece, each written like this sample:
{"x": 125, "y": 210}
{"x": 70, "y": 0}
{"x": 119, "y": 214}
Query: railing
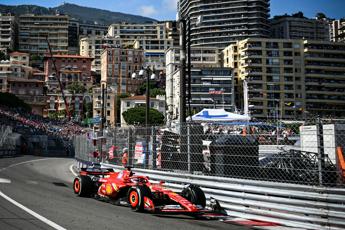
{"x": 285, "y": 172}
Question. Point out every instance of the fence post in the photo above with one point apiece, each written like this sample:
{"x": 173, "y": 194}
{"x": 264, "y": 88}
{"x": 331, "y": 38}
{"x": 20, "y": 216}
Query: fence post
{"x": 188, "y": 148}
{"x": 130, "y": 146}
{"x": 154, "y": 148}
{"x": 321, "y": 151}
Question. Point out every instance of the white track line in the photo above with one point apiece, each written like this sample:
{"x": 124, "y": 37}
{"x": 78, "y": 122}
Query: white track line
{"x": 72, "y": 171}
{"x": 5, "y": 181}
{"x": 38, "y": 216}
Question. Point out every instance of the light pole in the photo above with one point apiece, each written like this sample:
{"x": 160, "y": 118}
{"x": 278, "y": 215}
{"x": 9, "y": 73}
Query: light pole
{"x": 150, "y": 75}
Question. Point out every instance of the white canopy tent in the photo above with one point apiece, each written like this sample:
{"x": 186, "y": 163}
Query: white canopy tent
{"x": 219, "y": 115}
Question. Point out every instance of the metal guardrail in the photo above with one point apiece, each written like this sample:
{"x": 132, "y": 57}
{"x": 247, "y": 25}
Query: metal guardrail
{"x": 302, "y": 206}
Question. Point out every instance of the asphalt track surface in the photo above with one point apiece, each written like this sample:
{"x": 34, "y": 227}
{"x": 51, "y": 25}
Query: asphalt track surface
{"x": 43, "y": 186}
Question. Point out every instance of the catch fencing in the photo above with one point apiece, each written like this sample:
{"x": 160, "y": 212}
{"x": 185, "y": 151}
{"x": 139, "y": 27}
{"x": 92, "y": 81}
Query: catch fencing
{"x": 310, "y": 153}
{"x": 290, "y": 173}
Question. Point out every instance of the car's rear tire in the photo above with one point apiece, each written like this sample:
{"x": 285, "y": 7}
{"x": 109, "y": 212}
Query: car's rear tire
{"x": 136, "y": 197}
{"x": 194, "y": 194}
{"x": 83, "y": 186}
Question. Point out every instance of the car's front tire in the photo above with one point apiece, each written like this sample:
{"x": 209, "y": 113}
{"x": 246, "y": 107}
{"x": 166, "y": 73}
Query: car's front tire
{"x": 136, "y": 197}
{"x": 195, "y": 195}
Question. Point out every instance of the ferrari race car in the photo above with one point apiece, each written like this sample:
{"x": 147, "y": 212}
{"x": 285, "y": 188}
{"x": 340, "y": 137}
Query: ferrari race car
{"x": 140, "y": 194}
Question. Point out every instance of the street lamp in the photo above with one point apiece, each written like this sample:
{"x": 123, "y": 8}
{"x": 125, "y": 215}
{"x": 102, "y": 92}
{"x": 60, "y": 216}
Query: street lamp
{"x": 150, "y": 75}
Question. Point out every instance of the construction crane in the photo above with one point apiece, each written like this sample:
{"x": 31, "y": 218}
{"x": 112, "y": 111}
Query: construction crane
{"x": 58, "y": 78}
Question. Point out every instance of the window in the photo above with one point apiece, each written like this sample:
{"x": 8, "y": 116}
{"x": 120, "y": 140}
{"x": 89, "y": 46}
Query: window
{"x": 128, "y": 104}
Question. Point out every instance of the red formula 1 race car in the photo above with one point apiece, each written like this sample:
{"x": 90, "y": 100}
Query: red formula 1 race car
{"x": 141, "y": 195}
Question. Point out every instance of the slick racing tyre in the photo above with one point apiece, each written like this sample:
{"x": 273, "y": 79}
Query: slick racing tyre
{"x": 136, "y": 197}
{"x": 83, "y": 186}
{"x": 194, "y": 194}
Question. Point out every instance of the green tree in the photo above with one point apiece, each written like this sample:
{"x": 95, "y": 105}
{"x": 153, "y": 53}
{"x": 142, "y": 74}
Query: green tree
{"x": 76, "y": 88}
{"x": 156, "y": 91}
{"x": 87, "y": 109}
{"x": 299, "y": 14}
{"x": 136, "y": 116}
{"x": 3, "y": 56}
{"x": 142, "y": 88}
{"x": 320, "y": 15}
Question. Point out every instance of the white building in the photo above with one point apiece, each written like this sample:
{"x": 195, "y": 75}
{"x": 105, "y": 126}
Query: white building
{"x": 20, "y": 58}
{"x": 157, "y": 103}
{"x": 8, "y": 26}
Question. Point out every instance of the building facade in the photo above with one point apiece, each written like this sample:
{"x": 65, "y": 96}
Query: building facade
{"x": 35, "y": 29}
{"x": 211, "y": 85}
{"x": 17, "y": 79}
{"x": 324, "y": 77}
{"x": 337, "y": 30}
{"x": 71, "y": 69}
{"x": 220, "y": 23}
{"x": 86, "y": 29}
{"x": 287, "y": 78}
{"x": 8, "y": 30}
{"x": 55, "y": 105}
{"x": 290, "y": 27}
{"x": 110, "y": 108}
{"x": 153, "y": 38}
{"x": 93, "y": 46}
{"x": 117, "y": 67}
{"x": 20, "y": 58}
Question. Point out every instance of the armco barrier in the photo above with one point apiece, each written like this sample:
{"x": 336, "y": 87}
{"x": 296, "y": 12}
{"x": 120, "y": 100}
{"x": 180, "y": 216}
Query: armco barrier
{"x": 307, "y": 207}
{"x": 291, "y": 205}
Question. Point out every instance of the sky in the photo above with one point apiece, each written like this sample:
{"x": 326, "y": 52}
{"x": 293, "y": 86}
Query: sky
{"x": 166, "y": 9}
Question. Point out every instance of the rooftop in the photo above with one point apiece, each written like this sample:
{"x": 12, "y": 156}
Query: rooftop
{"x": 16, "y": 53}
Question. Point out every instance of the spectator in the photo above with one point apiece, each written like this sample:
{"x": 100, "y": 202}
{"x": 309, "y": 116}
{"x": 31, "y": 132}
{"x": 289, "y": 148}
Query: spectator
{"x": 159, "y": 158}
{"x": 124, "y": 157}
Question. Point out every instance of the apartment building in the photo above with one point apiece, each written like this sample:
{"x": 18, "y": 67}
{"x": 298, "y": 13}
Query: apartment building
{"x": 88, "y": 29}
{"x": 16, "y": 79}
{"x": 324, "y": 77}
{"x": 35, "y": 29}
{"x": 110, "y": 108}
{"x": 118, "y": 64}
{"x": 55, "y": 105}
{"x": 93, "y": 46}
{"x": 73, "y": 36}
{"x": 149, "y": 36}
{"x": 337, "y": 30}
{"x": 211, "y": 84}
{"x": 220, "y": 23}
{"x": 287, "y": 78}
{"x": 299, "y": 27}
{"x": 8, "y": 29}
{"x": 71, "y": 69}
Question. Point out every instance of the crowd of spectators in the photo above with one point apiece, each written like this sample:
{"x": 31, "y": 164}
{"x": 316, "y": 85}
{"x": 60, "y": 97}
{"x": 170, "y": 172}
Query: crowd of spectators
{"x": 265, "y": 133}
{"x": 28, "y": 123}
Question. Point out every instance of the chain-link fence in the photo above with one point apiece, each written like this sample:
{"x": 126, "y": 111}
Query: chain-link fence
{"x": 281, "y": 151}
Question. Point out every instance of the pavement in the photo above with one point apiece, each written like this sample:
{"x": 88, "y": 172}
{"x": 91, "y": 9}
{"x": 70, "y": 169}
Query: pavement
{"x": 36, "y": 193}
